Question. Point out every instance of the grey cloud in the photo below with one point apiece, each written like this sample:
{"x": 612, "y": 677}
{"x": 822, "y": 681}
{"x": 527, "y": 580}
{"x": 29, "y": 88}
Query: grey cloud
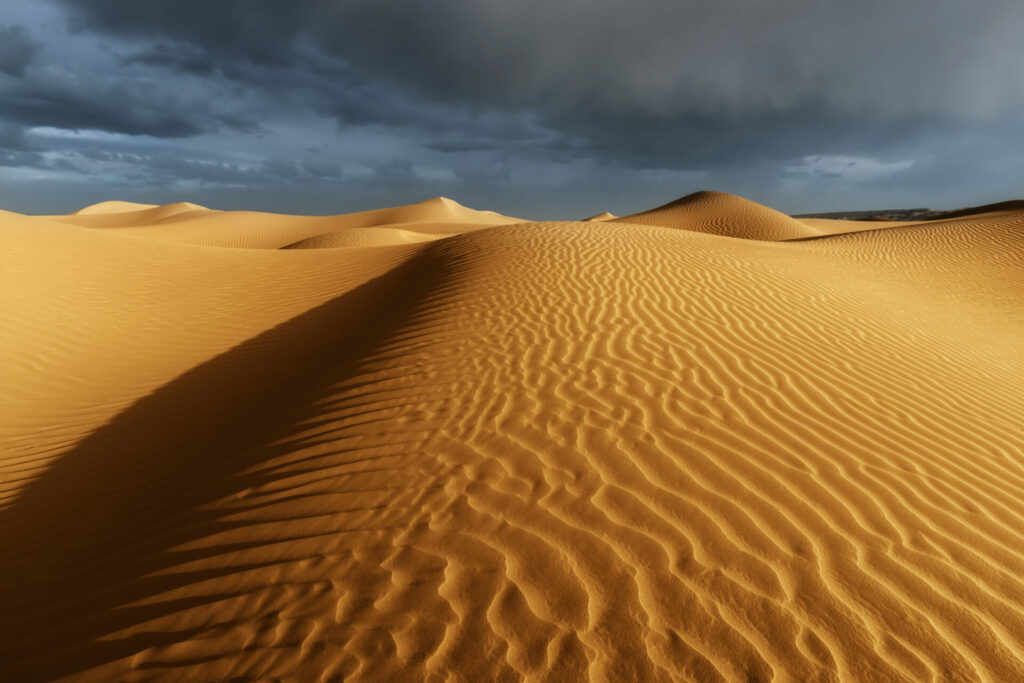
{"x": 661, "y": 57}
{"x": 17, "y": 159}
{"x": 187, "y": 58}
{"x": 575, "y": 101}
{"x": 161, "y": 168}
{"x": 77, "y": 100}
{"x": 706, "y": 57}
{"x": 16, "y": 50}
{"x": 298, "y": 170}
{"x": 664, "y": 84}
{"x": 15, "y": 148}
{"x": 226, "y": 28}
{"x": 12, "y": 137}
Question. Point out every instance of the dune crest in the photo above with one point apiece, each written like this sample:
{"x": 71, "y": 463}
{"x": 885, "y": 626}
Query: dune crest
{"x": 434, "y": 443}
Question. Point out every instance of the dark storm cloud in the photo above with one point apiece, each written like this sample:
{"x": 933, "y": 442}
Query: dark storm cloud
{"x": 741, "y": 95}
{"x": 65, "y": 106}
{"x": 161, "y": 168}
{"x": 669, "y": 84}
{"x": 12, "y": 137}
{"x": 659, "y": 56}
{"x": 78, "y": 100}
{"x": 707, "y": 79}
{"x": 259, "y": 31}
{"x": 16, "y": 49}
{"x": 180, "y": 57}
{"x": 16, "y": 150}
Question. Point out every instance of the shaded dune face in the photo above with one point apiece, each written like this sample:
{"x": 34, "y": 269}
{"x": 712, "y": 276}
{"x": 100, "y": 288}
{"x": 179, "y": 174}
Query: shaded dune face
{"x": 133, "y": 494}
{"x": 608, "y": 450}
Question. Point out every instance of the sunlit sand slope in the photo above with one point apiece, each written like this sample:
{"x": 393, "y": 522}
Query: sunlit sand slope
{"x": 557, "y": 451}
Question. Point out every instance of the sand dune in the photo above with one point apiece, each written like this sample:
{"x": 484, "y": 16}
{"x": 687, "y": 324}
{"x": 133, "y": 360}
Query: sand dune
{"x": 717, "y": 213}
{"x": 833, "y": 226}
{"x": 362, "y": 237}
{"x": 113, "y": 207}
{"x": 193, "y": 224}
{"x": 669, "y": 446}
{"x": 603, "y": 216}
{"x": 127, "y": 214}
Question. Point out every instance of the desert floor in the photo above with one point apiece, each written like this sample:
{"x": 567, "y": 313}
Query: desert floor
{"x": 703, "y": 442}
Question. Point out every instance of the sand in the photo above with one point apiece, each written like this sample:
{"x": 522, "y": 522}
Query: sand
{"x": 704, "y": 442}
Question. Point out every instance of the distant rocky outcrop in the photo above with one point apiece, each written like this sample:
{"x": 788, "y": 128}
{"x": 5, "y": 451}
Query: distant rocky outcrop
{"x": 879, "y": 215}
{"x": 915, "y": 214}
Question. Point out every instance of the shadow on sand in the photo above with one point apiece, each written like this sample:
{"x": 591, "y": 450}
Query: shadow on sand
{"x": 91, "y": 534}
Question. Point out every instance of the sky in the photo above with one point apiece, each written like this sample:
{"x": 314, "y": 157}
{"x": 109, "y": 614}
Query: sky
{"x": 535, "y": 108}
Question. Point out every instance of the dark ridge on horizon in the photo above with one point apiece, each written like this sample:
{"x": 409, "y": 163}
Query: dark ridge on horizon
{"x": 921, "y": 214}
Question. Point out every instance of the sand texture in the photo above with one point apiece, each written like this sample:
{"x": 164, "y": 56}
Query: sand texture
{"x": 703, "y": 442}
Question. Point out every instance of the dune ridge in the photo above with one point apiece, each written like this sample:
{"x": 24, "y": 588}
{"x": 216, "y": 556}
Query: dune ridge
{"x": 608, "y": 450}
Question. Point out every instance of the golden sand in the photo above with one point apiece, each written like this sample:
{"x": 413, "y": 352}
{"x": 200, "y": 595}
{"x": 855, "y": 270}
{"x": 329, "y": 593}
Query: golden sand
{"x": 703, "y": 442}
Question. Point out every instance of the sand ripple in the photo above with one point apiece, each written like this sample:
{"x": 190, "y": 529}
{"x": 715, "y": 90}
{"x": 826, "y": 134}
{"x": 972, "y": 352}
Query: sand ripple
{"x": 553, "y": 451}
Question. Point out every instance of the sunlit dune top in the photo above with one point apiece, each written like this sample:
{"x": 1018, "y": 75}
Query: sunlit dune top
{"x": 603, "y": 216}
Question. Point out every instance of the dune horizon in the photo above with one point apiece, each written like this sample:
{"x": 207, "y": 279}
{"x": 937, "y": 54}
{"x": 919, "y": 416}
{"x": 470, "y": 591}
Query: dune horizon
{"x": 705, "y": 441}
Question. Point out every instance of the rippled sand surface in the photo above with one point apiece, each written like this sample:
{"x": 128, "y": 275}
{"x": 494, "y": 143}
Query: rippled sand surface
{"x": 702, "y": 442}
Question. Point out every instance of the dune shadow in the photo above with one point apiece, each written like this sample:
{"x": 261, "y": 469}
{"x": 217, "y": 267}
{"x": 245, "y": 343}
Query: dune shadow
{"x": 89, "y": 537}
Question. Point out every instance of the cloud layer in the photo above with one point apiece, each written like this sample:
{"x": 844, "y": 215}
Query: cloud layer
{"x": 489, "y": 100}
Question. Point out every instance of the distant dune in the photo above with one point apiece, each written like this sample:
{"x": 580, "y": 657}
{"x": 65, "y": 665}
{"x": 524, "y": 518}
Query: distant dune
{"x": 113, "y": 207}
{"x": 722, "y": 214}
{"x": 193, "y": 224}
{"x": 706, "y": 441}
{"x": 363, "y": 237}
